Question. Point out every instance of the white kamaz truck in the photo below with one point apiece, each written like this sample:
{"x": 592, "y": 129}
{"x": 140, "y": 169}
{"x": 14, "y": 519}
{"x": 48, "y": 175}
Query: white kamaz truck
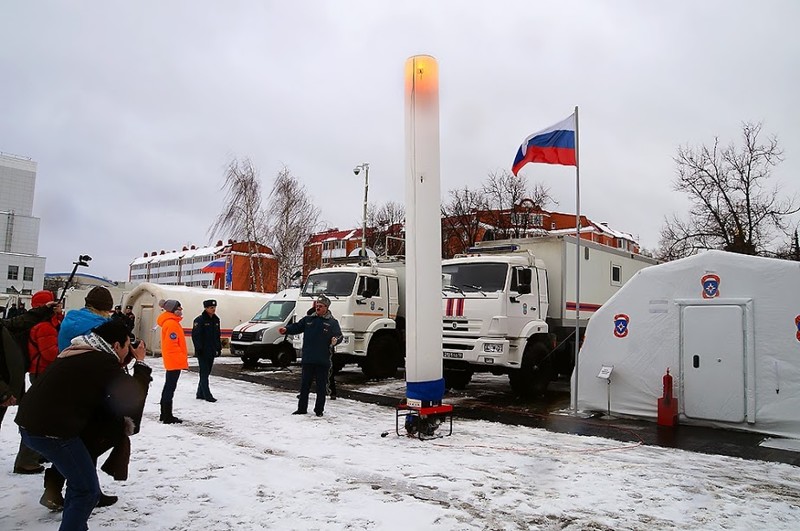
{"x": 509, "y": 306}
{"x": 368, "y": 301}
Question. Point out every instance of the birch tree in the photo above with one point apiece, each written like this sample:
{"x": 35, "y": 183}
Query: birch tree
{"x": 242, "y": 217}
{"x": 291, "y": 218}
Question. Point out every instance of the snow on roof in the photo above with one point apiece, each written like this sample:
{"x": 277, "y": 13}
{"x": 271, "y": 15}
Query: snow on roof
{"x": 172, "y": 255}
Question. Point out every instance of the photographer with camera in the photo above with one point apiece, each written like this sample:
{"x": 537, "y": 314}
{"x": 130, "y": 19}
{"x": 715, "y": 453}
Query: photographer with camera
{"x": 85, "y": 403}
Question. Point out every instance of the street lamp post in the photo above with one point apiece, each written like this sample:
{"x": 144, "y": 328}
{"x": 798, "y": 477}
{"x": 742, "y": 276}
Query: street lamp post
{"x": 364, "y": 166}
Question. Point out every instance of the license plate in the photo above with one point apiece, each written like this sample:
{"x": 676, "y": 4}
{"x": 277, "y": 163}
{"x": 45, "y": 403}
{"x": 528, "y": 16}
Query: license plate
{"x": 456, "y": 355}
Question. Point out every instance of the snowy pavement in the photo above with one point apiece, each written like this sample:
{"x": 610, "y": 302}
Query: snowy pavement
{"x": 245, "y": 462}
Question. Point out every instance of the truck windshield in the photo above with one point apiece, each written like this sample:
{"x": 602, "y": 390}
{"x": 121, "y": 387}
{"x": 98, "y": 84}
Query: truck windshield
{"x": 275, "y": 311}
{"x": 331, "y": 283}
{"x": 474, "y": 277}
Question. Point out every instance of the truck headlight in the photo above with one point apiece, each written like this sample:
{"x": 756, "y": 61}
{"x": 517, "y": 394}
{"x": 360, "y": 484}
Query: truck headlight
{"x": 260, "y": 335}
{"x": 493, "y": 347}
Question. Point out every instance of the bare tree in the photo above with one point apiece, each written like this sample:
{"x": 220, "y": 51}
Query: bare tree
{"x": 242, "y": 217}
{"x": 732, "y": 207}
{"x": 504, "y": 195}
{"x": 292, "y": 218}
{"x": 384, "y": 226}
{"x": 461, "y": 221}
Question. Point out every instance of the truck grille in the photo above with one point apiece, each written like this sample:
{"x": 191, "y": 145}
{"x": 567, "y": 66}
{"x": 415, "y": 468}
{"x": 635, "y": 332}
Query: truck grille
{"x": 461, "y": 326}
{"x": 248, "y": 337}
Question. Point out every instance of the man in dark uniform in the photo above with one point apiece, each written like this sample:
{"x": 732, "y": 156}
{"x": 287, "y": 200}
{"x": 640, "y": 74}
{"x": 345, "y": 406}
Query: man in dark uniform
{"x": 320, "y": 332}
{"x": 130, "y": 317}
{"x": 207, "y": 346}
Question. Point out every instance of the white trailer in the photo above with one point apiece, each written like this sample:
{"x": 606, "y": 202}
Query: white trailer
{"x": 509, "y": 307}
{"x": 368, "y": 301}
{"x": 233, "y": 308}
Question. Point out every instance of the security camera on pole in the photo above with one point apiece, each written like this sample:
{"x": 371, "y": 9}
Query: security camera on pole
{"x": 364, "y": 166}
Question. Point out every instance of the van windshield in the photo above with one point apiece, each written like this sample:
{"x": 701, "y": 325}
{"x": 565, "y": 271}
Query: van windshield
{"x": 330, "y": 283}
{"x": 474, "y": 277}
{"x": 275, "y": 311}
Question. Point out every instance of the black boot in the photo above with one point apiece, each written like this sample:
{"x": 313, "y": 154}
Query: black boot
{"x": 166, "y": 414}
{"x": 53, "y": 483}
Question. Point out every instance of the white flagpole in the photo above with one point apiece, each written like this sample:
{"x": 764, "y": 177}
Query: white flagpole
{"x": 577, "y": 259}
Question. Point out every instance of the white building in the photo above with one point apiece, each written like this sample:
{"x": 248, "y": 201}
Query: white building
{"x": 175, "y": 268}
{"x": 21, "y": 268}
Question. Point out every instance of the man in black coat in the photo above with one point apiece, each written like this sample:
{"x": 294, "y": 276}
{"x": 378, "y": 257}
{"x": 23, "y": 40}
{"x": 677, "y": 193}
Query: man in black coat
{"x": 207, "y": 346}
{"x": 86, "y": 390}
{"x": 13, "y": 366}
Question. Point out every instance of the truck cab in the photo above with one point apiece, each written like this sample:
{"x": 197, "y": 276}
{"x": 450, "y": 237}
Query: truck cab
{"x": 493, "y": 308}
{"x": 259, "y": 337}
{"x": 366, "y": 300}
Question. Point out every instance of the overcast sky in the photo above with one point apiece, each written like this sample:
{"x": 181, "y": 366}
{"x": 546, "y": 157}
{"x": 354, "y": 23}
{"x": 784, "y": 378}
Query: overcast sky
{"x": 133, "y": 109}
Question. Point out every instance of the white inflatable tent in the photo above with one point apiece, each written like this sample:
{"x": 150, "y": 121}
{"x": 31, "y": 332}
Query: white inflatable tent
{"x": 233, "y": 308}
{"x": 727, "y": 326}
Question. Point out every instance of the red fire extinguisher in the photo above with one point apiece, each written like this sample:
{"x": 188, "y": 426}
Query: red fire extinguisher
{"x": 667, "y": 405}
{"x": 667, "y": 393}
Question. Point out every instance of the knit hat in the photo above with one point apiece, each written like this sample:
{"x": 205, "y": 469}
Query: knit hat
{"x": 40, "y": 298}
{"x": 322, "y": 299}
{"x": 169, "y": 305}
{"x": 100, "y": 299}
{"x": 208, "y": 303}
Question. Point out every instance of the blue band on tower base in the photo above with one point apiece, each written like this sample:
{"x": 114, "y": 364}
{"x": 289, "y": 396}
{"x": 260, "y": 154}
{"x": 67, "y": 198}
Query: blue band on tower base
{"x": 430, "y": 392}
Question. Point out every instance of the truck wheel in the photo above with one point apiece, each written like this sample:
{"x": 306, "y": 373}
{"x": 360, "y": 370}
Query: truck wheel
{"x": 456, "y": 379}
{"x": 284, "y": 357}
{"x": 381, "y": 359}
{"x": 532, "y": 379}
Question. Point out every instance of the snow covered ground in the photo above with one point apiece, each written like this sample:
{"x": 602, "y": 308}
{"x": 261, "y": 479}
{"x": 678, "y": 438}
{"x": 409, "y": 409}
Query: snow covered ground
{"x": 246, "y": 463}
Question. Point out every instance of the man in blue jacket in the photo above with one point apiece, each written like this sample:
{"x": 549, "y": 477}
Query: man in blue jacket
{"x": 207, "y": 346}
{"x": 320, "y": 331}
{"x": 97, "y": 310}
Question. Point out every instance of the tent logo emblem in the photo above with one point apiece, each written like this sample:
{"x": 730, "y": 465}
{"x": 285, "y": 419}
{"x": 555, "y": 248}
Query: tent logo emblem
{"x": 710, "y": 286}
{"x": 621, "y": 325}
{"x": 797, "y": 324}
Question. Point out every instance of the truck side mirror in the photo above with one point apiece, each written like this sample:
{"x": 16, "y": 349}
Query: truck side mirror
{"x": 367, "y": 294}
{"x": 524, "y": 289}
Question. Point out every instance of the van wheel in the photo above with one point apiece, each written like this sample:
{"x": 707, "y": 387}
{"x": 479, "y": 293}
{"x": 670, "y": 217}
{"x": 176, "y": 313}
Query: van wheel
{"x": 249, "y": 361}
{"x": 284, "y": 357}
{"x": 532, "y": 379}
{"x": 381, "y": 359}
{"x": 457, "y": 379}
{"x": 337, "y": 363}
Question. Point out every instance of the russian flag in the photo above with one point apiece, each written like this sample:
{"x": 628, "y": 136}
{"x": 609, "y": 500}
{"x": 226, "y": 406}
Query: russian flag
{"x": 216, "y": 266}
{"x": 554, "y": 145}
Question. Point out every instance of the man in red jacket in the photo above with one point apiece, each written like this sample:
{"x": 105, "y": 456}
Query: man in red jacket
{"x": 43, "y": 338}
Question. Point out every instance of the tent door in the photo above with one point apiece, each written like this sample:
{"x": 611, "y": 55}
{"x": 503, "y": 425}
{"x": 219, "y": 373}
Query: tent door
{"x": 713, "y": 359}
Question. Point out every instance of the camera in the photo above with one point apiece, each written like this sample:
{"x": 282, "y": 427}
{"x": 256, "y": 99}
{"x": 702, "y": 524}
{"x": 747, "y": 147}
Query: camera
{"x": 135, "y": 343}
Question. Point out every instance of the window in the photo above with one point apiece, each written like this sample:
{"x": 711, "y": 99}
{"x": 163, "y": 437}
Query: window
{"x": 370, "y": 284}
{"x": 27, "y": 274}
{"x": 13, "y": 272}
{"x": 616, "y": 275}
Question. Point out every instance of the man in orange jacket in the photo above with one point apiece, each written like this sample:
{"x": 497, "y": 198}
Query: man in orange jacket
{"x": 173, "y": 353}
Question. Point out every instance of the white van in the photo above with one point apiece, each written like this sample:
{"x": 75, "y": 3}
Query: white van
{"x": 259, "y": 338}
